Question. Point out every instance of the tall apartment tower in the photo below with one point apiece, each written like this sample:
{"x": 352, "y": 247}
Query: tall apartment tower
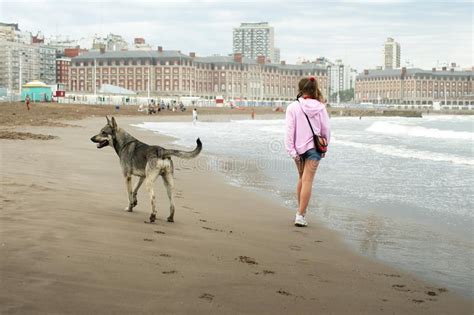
{"x": 254, "y": 39}
{"x": 391, "y": 51}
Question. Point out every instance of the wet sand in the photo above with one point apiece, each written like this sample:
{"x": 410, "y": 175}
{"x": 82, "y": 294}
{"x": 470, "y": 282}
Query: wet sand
{"x": 67, "y": 245}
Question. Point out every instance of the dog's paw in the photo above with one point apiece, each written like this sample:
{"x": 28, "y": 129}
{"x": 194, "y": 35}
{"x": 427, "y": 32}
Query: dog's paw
{"x": 152, "y": 218}
{"x": 170, "y": 219}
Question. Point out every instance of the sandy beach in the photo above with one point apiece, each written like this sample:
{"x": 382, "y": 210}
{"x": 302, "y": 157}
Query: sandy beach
{"x": 68, "y": 247}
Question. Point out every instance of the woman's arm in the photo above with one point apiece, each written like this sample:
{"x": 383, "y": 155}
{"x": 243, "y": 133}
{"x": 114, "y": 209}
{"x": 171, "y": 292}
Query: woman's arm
{"x": 290, "y": 133}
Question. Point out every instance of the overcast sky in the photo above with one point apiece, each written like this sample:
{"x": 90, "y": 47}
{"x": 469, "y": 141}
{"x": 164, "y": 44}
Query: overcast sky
{"x": 354, "y": 31}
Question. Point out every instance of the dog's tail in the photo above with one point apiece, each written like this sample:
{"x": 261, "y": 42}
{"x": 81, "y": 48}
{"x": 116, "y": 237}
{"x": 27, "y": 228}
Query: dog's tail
{"x": 184, "y": 154}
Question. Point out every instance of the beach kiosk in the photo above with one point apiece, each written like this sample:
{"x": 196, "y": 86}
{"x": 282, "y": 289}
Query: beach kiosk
{"x": 37, "y": 90}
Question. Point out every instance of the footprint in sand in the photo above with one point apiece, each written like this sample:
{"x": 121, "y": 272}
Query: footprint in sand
{"x": 165, "y": 255}
{"x": 318, "y": 241}
{"x": 266, "y": 272}
{"x": 202, "y": 220}
{"x": 160, "y": 232}
{"x": 400, "y": 287}
{"x": 432, "y": 291}
{"x": 391, "y": 275}
{"x": 248, "y": 260}
{"x": 148, "y": 240}
{"x": 300, "y": 232}
{"x": 295, "y": 248}
{"x": 169, "y": 272}
{"x": 283, "y": 292}
{"x": 207, "y": 296}
{"x": 212, "y": 229}
{"x": 418, "y": 301}
{"x": 189, "y": 208}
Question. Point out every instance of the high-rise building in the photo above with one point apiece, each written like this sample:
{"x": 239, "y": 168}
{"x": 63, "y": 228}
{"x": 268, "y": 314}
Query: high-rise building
{"x": 391, "y": 53}
{"x": 47, "y": 65}
{"x": 10, "y": 32}
{"x": 341, "y": 78}
{"x": 253, "y": 40}
{"x": 19, "y": 64}
{"x": 276, "y": 58}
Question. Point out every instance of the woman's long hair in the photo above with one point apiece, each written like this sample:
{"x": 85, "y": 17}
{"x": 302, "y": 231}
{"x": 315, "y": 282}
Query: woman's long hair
{"x": 309, "y": 86}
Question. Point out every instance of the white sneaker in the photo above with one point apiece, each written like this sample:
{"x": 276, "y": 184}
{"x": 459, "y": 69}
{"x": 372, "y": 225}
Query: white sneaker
{"x": 300, "y": 220}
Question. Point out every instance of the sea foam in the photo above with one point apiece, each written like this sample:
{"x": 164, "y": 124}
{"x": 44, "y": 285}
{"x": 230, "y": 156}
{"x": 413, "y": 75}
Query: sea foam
{"x": 394, "y": 129}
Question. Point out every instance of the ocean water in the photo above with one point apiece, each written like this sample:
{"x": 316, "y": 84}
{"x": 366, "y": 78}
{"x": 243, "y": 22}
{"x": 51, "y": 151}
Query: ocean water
{"x": 398, "y": 189}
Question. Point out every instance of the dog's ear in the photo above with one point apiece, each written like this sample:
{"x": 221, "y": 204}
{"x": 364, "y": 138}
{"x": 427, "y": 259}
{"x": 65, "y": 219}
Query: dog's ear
{"x": 108, "y": 120}
{"x": 114, "y": 124}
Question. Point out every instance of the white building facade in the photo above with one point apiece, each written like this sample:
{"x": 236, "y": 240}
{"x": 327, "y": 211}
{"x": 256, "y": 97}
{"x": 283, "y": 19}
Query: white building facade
{"x": 19, "y": 63}
{"x": 392, "y": 54}
{"x": 47, "y": 64}
{"x": 341, "y": 78}
{"x": 253, "y": 40}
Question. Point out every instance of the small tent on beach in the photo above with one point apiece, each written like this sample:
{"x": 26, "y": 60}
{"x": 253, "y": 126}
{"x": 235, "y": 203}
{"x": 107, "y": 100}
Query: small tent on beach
{"x": 37, "y": 91}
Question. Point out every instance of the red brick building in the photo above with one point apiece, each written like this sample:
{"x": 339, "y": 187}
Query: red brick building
{"x": 171, "y": 73}
{"x": 415, "y": 87}
{"x": 62, "y": 70}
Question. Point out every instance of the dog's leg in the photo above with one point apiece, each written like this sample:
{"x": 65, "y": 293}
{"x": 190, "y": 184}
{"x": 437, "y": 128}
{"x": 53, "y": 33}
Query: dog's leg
{"x": 135, "y": 190}
{"x": 128, "y": 183}
{"x": 152, "y": 174}
{"x": 169, "y": 183}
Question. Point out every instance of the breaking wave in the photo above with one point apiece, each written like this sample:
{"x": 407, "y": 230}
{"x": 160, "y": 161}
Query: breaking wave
{"x": 392, "y": 129}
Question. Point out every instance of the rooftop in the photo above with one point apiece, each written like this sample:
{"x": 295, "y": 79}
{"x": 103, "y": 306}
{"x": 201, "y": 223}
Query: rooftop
{"x": 411, "y": 71}
{"x": 172, "y": 54}
{"x": 131, "y": 54}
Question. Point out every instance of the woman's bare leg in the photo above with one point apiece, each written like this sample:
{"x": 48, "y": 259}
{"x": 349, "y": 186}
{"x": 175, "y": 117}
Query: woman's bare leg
{"x": 310, "y": 167}
{"x": 300, "y": 166}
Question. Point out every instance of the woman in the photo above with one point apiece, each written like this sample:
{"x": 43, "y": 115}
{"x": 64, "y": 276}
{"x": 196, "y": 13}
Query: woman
{"x": 299, "y": 139}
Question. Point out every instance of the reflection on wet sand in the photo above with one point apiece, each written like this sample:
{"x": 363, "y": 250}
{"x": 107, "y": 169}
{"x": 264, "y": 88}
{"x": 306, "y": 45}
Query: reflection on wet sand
{"x": 370, "y": 238}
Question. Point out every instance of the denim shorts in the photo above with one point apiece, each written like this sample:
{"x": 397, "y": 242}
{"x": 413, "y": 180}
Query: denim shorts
{"x": 311, "y": 154}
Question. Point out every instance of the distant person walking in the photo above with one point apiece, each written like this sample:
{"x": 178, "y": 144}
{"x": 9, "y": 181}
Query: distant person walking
{"x": 307, "y": 109}
{"x": 195, "y": 116}
{"x": 27, "y": 101}
{"x": 253, "y": 113}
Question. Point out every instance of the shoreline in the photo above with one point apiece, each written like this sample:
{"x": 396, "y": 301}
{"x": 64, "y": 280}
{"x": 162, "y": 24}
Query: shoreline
{"x": 70, "y": 248}
{"x": 359, "y": 226}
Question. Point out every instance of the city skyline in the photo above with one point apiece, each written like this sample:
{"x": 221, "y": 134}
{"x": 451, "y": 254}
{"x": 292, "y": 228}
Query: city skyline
{"x": 353, "y": 32}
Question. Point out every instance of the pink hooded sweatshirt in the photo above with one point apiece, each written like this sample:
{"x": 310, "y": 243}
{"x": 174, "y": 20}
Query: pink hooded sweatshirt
{"x": 299, "y": 137}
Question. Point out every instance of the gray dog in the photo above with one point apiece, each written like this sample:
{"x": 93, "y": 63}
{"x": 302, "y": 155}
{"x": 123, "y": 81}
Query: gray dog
{"x": 142, "y": 160}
